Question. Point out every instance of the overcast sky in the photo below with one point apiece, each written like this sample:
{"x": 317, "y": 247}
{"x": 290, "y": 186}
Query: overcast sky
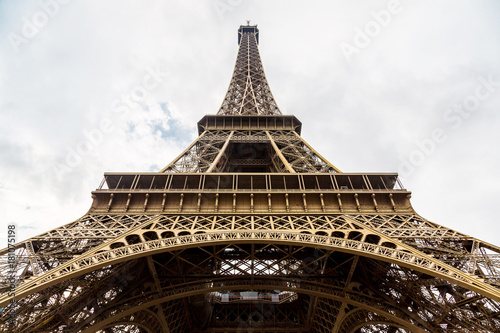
{"x": 380, "y": 86}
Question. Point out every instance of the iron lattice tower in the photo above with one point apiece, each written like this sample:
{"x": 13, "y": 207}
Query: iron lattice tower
{"x": 251, "y": 230}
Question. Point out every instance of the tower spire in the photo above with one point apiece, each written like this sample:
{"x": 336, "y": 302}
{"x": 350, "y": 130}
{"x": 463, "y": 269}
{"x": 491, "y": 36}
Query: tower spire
{"x": 248, "y": 92}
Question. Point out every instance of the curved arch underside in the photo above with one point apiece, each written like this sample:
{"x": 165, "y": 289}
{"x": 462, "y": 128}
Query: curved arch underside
{"x": 136, "y": 244}
{"x": 259, "y": 286}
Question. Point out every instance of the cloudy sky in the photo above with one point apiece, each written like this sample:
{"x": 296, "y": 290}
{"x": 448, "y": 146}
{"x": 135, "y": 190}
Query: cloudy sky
{"x": 380, "y": 86}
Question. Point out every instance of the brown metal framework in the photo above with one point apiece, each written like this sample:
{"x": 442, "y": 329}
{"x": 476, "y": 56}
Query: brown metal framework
{"x": 249, "y": 93}
{"x": 251, "y": 230}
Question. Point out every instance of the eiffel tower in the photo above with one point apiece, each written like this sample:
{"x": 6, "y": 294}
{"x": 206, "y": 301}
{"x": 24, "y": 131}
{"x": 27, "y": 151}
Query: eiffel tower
{"x": 250, "y": 230}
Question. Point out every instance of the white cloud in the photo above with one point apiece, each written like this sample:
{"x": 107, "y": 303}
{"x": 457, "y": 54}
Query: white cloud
{"x": 64, "y": 81}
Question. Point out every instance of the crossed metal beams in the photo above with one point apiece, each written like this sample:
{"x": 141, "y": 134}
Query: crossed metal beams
{"x": 357, "y": 234}
{"x": 403, "y": 256}
{"x": 284, "y": 151}
{"x": 248, "y": 92}
{"x": 228, "y": 281}
{"x": 165, "y": 266}
{"x": 106, "y": 255}
{"x": 386, "y": 311}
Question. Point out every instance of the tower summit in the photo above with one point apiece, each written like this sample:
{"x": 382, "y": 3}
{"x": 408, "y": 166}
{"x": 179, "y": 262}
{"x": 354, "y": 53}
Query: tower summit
{"x": 250, "y": 230}
{"x": 248, "y": 93}
{"x": 249, "y": 132}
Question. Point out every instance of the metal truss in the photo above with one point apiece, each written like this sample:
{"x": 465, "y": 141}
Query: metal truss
{"x": 277, "y": 252}
{"x": 248, "y": 92}
{"x": 299, "y": 155}
{"x": 250, "y": 230}
{"x": 201, "y": 154}
{"x": 238, "y": 150}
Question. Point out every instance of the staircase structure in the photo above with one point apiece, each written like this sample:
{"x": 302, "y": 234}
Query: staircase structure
{"x": 251, "y": 230}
